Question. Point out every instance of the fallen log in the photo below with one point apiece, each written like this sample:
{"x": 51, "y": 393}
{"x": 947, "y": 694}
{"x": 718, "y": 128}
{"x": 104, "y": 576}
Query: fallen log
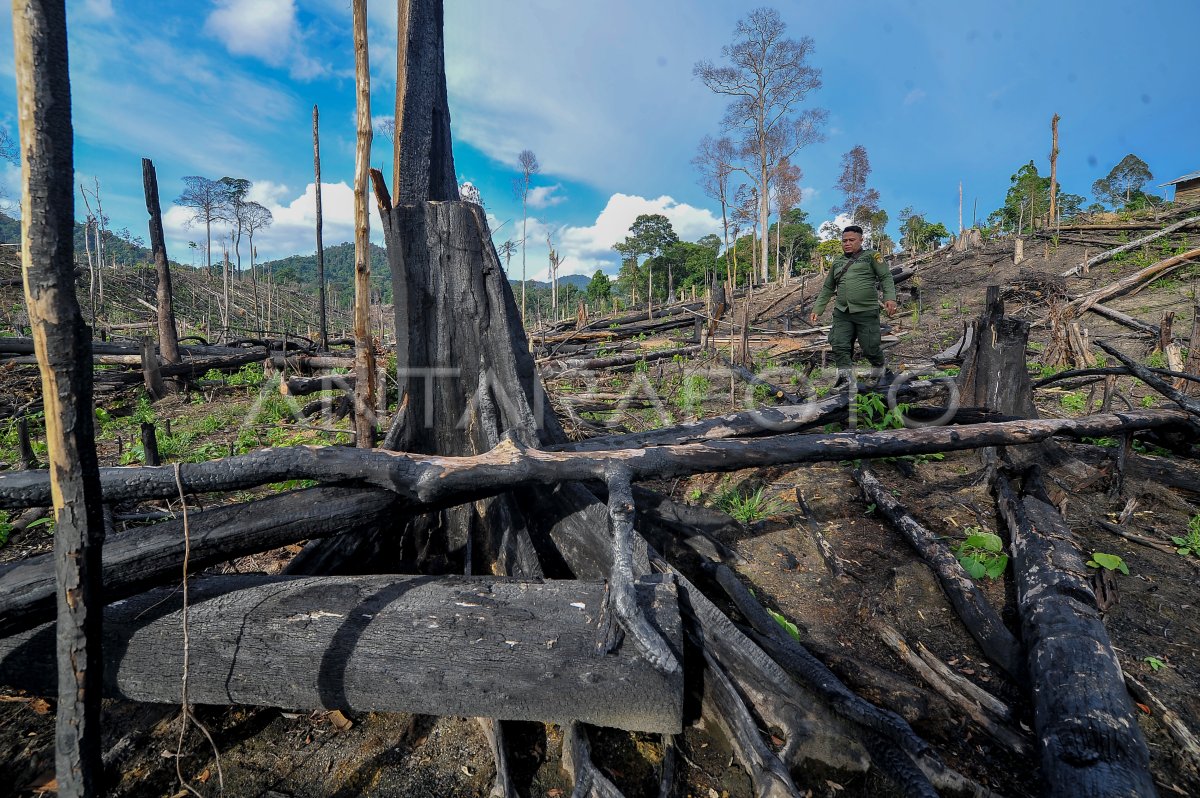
{"x": 1108, "y": 254}
{"x": 469, "y": 646}
{"x": 140, "y": 558}
{"x": 1144, "y": 374}
{"x": 300, "y": 362}
{"x": 980, "y": 618}
{"x": 1112, "y": 371}
{"x": 303, "y": 386}
{"x": 1132, "y": 281}
{"x": 617, "y": 361}
{"x": 1085, "y": 724}
{"x": 1124, "y": 319}
{"x": 432, "y": 480}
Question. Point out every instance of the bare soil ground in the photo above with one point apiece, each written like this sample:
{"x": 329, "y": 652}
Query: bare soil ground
{"x": 1152, "y": 614}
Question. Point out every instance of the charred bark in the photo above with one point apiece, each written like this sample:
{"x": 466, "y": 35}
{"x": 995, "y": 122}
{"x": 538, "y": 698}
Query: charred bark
{"x": 469, "y": 646}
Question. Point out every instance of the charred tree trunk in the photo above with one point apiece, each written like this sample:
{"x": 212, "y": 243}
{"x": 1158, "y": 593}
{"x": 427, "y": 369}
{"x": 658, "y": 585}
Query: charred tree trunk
{"x": 994, "y": 373}
{"x": 63, "y": 346}
{"x": 324, "y": 328}
{"x": 470, "y": 646}
{"x": 168, "y": 344}
{"x": 1085, "y": 723}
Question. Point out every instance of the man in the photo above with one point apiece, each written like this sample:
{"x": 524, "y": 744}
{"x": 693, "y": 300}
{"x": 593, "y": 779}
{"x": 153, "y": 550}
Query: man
{"x": 853, "y": 280}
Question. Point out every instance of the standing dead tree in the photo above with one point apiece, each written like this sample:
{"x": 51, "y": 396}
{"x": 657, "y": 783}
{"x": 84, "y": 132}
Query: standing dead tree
{"x": 63, "y": 347}
{"x": 364, "y": 360}
{"x": 323, "y": 341}
{"x": 168, "y": 344}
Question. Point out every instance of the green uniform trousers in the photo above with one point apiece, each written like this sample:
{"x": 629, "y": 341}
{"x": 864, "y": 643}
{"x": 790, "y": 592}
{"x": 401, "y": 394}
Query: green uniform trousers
{"x": 863, "y": 326}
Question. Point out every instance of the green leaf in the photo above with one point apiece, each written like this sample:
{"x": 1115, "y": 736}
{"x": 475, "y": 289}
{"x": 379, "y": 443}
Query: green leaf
{"x": 787, "y": 625}
{"x": 1178, "y": 541}
{"x": 987, "y": 541}
{"x": 974, "y": 567}
{"x": 1109, "y": 562}
{"x": 995, "y": 567}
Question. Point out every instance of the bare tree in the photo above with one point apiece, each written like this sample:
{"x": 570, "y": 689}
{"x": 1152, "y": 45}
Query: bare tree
{"x": 859, "y": 201}
{"x": 364, "y": 361}
{"x": 769, "y": 77}
{"x": 168, "y": 344}
{"x": 715, "y": 160}
{"x": 209, "y": 201}
{"x": 324, "y": 327}
{"x": 529, "y": 167}
{"x": 787, "y": 196}
{"x": 8, "y": 147}
{"x": 236, "y": 189}
{"x": 63, "y": 348}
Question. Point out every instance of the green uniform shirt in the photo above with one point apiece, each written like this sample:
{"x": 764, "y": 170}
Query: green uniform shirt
{"x": 855, "y": 280}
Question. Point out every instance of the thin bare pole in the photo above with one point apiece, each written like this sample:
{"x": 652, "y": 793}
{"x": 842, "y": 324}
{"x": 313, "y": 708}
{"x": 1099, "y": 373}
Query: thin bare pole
{"x": 324, "y": 339}
{"x": 364, "y": 360}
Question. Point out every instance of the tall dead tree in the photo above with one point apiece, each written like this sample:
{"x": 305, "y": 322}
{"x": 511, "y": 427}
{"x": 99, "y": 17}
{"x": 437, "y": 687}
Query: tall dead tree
{"x": 323, "y": 341}
{"x": 63, "y": 346}
{"x": 168, "y": 343}
{"x": 1053, "y": 172}
{"x": 364, "y": 361}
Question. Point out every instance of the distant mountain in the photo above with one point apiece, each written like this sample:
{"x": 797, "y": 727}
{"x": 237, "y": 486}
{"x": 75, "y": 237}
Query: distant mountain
{"x": 580, "y": 281}
{"x": 339, "y": 268}
{"x": 120, "y": 244}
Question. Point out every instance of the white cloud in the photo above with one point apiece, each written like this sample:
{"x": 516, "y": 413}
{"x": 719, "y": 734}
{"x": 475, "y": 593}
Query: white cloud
{"x": 587, "y": 248}
{"x": 264, "y": 29}
{"x": 914, "y": 96}
{"x": 546, "y": 196}
{"x": 98, "y": 9}
{"x": 293, "y": 229}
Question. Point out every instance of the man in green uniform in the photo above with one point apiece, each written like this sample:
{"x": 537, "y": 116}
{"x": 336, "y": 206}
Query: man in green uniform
{"x": 854, "y": 280}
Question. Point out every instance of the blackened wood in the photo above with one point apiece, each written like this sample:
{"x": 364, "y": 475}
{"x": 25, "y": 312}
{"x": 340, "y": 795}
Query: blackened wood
{"x": 1125, "y": 319}
{"x": 144, "y": 557}
{"x": 980, "y": 618}
{"x": 323, "y": 340}
{"x": 432, "y": 480}
{"x": 424, "y": 157}
{"x": 1144, "y": 374}
{"x": 303, "y": 386}
{"x": 302, "y": 363}
{"x": 24, "y": 445}
{"x": 1192, "y": 366}
{"x": 1085, "y": 723}
{"x": 168, "y": 344}
{"x": 63, "y": 349}
{"x": 149, "y": 445}
{"x": 511, "y": 649}
{"x": 1112, "y": 371}
{"x": 618, "y": 361}
{"x": 994, "y": 374}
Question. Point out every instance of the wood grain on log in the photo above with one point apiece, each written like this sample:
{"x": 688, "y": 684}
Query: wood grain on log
{"x": 468, "y": 646}
{"x": 1085, "y": 723}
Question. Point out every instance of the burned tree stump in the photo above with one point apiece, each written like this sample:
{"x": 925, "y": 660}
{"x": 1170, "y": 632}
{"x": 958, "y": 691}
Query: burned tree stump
{"x": 994, "y": 374}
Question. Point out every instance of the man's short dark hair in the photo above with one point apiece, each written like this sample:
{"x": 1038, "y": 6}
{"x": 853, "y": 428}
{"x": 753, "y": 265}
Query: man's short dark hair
{"x": 852, "y": 229}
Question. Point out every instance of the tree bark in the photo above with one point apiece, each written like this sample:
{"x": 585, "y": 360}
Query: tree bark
{"x": 63, "y": 345}
{"x": 994, "y": 374}
{"x": 364, "y": 360}
{"x": 468, "y": 646}
{"x": 144, "y": 557}
{"x": 431, "y": 481}
{"x": 1193, "y": 360}
{"x": 322, "y": 320}
{"x": 1085, "y": 724}
{"x": 168, "y": 345}
{"x": 1053, "y": 174}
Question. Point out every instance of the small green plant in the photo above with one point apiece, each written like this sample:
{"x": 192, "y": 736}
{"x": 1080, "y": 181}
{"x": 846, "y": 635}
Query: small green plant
{"x": 641, "y": 367}
{"x": 5, "y": 527}
{"x": 1189, "y": 544}
{"x": 1157, "y": 360}
{"x": 47, "y": 522}
{"x": 1154, "y": 662}
{"x": 695, "y": 495}
{"x": 1073, "y": 401}
{"x": 1109, "y": 562}
{"x": 1107, "y": 443}
{"x": 1147, "y": 401}
{"x": 947, "y": 304}
{"x": 982, "y": 554}
{"x": 787, "y": 625}
{"x": 747, "y": 507}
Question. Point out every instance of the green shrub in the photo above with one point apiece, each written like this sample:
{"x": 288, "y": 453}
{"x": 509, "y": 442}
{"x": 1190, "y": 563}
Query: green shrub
{"x": 982, "y": 554}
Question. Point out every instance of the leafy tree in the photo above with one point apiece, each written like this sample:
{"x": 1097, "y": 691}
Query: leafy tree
{"x": 236, "y": 189}
{"x": 796, "y": 239}
{"x": 1027, "y": 200}
{"x": 768, "y": 77}
{"x": 208, "y": 200}
{"x": 600, "y": 287}
{"x": 650, "y": 234}
{"x": 917, "y": 234}
{"x": 255, "y": 217}
{"x": 1123, "y": 183}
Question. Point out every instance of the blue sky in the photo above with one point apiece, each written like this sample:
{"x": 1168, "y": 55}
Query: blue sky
{"x": 603, "y": 93}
